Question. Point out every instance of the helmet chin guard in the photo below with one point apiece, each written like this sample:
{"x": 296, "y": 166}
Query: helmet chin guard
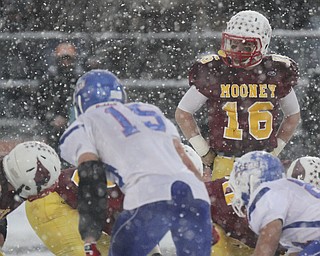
{"x": 32, "y": 168}
{"x": 245, "y": 28}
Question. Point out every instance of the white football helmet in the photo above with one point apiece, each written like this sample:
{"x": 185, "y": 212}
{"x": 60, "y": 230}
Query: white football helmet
{"x": 252, "y": 31}
{"x": 306, "y": 168}
{"x": 249, "y": 171}
{"x": 194, "y": 157}
{"x": 32, "y": 168}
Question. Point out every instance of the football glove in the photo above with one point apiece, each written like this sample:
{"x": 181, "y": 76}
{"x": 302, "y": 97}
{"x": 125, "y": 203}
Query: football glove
{"x": 91, "y": 249}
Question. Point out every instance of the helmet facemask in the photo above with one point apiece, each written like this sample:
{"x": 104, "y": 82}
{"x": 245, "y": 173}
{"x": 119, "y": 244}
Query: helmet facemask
{"x": 241, "y": 188}
{"x": 240, "y": 52}
{"x": 248, "y": 173}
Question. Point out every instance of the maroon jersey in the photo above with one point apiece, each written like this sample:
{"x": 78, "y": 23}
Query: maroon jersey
{"x": 243, "y": 105}
{"x": 68, "y": 189}
{"x": 223, "y": 214}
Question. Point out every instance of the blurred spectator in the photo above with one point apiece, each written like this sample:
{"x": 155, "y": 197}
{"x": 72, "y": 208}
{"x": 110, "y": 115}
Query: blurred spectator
{"x": 54, "y": 97}
{"x": 310, "y": 113}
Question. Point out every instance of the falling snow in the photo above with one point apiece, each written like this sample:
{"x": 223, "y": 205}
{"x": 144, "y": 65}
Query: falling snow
{"x": 150, "y": 45}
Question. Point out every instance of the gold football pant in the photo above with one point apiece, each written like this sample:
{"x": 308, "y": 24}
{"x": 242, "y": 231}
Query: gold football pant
{"x": 56, "y": 224}
{"x": 222, "y": 167}
{"x": 228, "y": 246}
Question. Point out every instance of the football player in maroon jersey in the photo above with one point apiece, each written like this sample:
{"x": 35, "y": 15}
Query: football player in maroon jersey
{"x": 29, "y": 171}
{"x": 245, "y": 90}
{"x": 55, "y": 218}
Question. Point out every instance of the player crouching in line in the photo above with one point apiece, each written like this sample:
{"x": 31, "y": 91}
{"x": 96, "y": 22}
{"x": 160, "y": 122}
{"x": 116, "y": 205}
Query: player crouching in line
{"x": 241, "y": 240}
{"x": 55, "y": 217}
{"x": 260, "y": 188}
{"x": 29, "y": 171}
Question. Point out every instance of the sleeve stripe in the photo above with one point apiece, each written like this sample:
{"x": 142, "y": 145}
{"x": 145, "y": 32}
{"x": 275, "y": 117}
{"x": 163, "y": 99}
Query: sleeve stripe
{"x": 65, "y": 135}
{"x": 303, "y": 224}
{"x": 256, "y": 199}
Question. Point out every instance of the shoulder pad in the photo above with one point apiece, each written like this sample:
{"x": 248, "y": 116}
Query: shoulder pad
{"x": 281, "y": 58}
{"x": 208, "y": 58}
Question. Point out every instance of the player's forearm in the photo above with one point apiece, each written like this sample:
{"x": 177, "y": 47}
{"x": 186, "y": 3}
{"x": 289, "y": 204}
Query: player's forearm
{"x": 288, "y": 127}
{"x": 186, "y": 123}
{"x": 269, "y": 238}
{"x": 192, "y": 133}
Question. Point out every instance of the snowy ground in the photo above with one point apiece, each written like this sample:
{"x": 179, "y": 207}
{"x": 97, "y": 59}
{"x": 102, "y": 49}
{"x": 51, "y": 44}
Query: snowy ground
{"x": 22, "y": 241}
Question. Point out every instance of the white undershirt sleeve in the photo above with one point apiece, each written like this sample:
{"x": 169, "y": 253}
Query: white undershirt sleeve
{"x": 192, "y": 101}
{"x": 289, "y": 104}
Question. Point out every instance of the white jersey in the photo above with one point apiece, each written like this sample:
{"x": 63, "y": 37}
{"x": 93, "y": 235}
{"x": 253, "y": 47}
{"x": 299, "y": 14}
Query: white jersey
{"x": 136, "y": 141}
{"x": 296, "y": 203}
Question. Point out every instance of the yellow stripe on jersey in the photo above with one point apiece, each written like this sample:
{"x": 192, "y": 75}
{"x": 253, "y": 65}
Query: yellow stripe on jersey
{"x": 228, "y": 194}
{"x": 75, "y": 180}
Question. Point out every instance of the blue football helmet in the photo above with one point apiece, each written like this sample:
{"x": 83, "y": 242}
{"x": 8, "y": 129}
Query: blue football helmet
{"x": 95, "y": 87}
{"x": 249, "y": 171}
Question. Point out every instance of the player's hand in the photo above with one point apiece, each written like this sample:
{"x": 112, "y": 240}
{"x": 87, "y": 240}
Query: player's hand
{"x": 91, "y": 249}
{"x": 208, "y": 158}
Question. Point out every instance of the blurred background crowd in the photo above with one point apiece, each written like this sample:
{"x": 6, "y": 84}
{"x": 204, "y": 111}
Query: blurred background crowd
{"x": 149, "y": 44}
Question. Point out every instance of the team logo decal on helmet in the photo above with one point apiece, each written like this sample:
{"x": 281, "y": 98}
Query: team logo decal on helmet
{"x": 42, "y": 175}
